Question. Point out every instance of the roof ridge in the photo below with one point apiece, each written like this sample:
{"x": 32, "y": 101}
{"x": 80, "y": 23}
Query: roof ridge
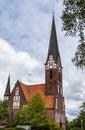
{"x": 31, "y": 84}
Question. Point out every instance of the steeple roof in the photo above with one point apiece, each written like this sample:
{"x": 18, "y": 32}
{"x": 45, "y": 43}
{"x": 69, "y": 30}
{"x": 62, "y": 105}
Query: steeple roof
{"x": 53, "y": 45}
{"x": 7, "y": 91}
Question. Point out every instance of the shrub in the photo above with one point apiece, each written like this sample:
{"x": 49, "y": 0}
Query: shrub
{"x": 12, "y": 128}
{"x": 17, "y": 128}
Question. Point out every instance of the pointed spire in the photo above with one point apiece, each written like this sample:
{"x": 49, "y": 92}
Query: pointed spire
{"x": 7, "y": 91}
{"x": 53, "y": 45}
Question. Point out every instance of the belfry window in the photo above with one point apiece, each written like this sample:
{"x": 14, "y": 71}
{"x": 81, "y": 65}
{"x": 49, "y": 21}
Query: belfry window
{"x": 51, "y": 74}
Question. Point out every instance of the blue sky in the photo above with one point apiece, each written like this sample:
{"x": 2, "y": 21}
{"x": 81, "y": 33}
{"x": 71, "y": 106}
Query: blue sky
{"x": 24, "y": 39}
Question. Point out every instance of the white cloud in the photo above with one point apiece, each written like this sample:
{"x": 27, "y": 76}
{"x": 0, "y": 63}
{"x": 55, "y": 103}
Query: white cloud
{"x": 74, "y": 91}
{"x": 16, "y": 63}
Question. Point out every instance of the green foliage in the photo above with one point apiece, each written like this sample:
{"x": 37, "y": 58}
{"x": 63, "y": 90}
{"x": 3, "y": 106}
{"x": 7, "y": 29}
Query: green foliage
{"x": 12, "y": 128}
{"x": 48, "y": 125}
{"x": 34, "y": 114}
{"x": 75, "y": 124}
{"x": 19, "y": 128}
{"x": 9, "y": 128}
{"x": 53, "y": 126}
{"x": 83, "y": 105}
{"x": 37, "y": 111}
{"x": 79, "y": 59}
{"x": 79, "y": 122}
{"x": 73, "y": 18}
{"x": 82, "y": 115}
{"x": 3, "y": 112}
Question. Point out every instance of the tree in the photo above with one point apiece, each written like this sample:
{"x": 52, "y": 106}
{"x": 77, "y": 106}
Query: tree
{"x": 75, "y": 124}
{"x": 4, "y": 112}
{"x": 37, "y": 111}
{"x": 34, "y": 114}
{"x": 73, "y": 18}
{"x": 79, "y": 122}
{"x": 68, "y": 124}
{"x": 82, "y": 115}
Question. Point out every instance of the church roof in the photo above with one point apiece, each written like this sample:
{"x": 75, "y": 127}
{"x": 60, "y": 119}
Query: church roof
{"x": 53, "y": 45}
{"x": 30, "y": 90}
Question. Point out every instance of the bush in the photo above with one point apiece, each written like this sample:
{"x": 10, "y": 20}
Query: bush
{"x": 17, "y": 128}
{"x": 50, "y": 125}
{"x": 12, "y": 123}
{"x": 2, "y": 128}
{"x": 9, "y": 128}
{"x": 12, "y": 128}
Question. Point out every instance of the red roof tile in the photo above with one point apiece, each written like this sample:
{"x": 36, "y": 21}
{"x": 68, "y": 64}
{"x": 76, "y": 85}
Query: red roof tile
{"x": 30, "y": 90}
{"x": 25, "y": 90}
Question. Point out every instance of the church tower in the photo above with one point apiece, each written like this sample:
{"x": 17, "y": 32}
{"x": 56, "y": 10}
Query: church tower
{"x": 7, "y": 91}
{"x": 53, "y": 79}
{"x": 53, "y": 67}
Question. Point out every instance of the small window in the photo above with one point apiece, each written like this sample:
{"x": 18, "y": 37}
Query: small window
{"x": 17, "y": 91}
{"x": 51, "y": 74}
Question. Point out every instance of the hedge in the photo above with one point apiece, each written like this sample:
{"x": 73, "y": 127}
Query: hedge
{"x": 12, "y": 128}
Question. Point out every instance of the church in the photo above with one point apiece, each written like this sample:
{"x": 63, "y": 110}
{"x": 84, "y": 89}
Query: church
{"x": 51, "y": 91}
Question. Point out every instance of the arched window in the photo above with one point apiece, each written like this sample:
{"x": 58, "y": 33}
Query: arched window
{"x": 51, "y": 74}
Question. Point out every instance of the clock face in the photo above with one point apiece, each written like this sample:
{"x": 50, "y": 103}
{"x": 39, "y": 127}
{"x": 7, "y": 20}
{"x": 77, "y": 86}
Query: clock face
{"x": 51, "y": 63}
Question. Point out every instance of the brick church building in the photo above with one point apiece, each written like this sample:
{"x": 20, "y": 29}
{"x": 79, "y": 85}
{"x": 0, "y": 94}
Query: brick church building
{"x": 51, "y": 91}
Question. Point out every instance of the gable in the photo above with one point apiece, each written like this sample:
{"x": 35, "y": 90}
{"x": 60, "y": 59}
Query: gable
{"x": 17, "y": 98}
